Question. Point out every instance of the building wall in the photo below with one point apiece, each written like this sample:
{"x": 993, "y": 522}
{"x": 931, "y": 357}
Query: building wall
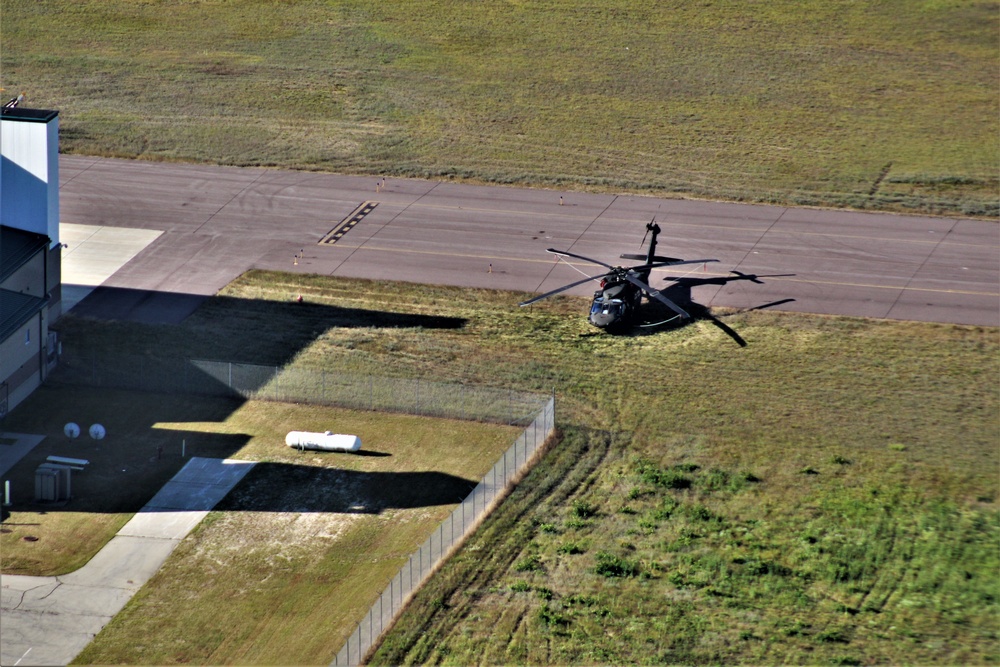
{"x": 22, "y": 360}
{"x": 30, "y": 278}
{"x": 29, "y": 200}
{"x": 54, "y": 286}
{"x": 29, "y": 174}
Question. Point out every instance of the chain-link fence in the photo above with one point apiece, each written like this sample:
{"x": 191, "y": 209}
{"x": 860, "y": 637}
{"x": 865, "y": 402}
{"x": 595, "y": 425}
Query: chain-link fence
{"x": 302, "y": 385}
{"x": 447, "y": 535}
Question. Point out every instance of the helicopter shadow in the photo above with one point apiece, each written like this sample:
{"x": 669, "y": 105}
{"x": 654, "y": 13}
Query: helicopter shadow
{"x": 659, "y": 317}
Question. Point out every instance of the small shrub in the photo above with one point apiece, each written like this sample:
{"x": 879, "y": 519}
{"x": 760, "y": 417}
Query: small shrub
{"x": 797, "y": 629}
{"x": 571, "y": 548}
{"x": 547, "y": 528}
{"x": 833, "y": 636}
{"x": 582, "y": 600}
{"x": 520, "y": 586}
{"x": 671, "y": 478}
{"x": 715, "y": 480}
{"x": 748, "y": 476}
{"x": 701, "y": 513}
{"x": 809, "y": 470}
{"x": 584, "y": 510}
{"x": 840, "y": 460}
{"x": 610, "y": 565}
{"x": 674, "y": 479}
{"x": 897, "y": 447}
{"x": 627, "y": 509}
{"x": 665, "y": 510}
{"x": 544, "y": 593}
{"x": 648, "y": 525}
{"x": 550, "y": 616}
{"x": 529, "y": 563}
{"x": 761, "y": 567}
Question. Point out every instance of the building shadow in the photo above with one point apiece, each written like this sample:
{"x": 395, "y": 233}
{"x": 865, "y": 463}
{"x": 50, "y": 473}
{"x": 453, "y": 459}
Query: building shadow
{"x": 130, "y": 362}
{"x": 283, "y": 487}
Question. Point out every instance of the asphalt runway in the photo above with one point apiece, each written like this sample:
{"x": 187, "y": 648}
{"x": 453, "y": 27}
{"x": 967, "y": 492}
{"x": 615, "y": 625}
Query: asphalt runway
{"x": 218, "y": 222}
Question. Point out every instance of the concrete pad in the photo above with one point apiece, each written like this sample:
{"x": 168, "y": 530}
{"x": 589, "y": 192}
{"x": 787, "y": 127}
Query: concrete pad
{"x": 29, "y": 641}
{"x": 192, "y": 497}
{"x": 159, "y": 524}
{"x": 15, "y": 588}
{"x": 125, "y": 563}
{"x": 94, "y": 254}
{"x": 78, "y": 601}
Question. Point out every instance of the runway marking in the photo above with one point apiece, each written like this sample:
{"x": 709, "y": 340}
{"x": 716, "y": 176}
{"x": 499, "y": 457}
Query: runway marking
{"x": 348, "y": 223}
{"x": 666, "y": 222}
{"x": 500, "y": 258}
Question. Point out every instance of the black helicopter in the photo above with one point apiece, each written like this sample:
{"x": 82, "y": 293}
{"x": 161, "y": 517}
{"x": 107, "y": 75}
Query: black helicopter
{"x": 616, "y": 304}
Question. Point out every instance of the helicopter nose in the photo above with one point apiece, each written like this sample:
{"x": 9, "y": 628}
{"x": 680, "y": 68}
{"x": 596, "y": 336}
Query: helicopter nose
{"x": 601, "y": 319}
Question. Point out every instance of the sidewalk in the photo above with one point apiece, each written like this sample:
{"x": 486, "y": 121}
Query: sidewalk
{"x": 49, "y": 620}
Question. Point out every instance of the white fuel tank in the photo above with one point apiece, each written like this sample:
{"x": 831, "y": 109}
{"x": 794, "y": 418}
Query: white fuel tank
{"x": 327, "y": 442}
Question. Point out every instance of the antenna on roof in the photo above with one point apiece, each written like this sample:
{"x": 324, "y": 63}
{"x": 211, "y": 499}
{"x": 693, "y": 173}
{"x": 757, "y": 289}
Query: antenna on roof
{"x": 14, "y": 101}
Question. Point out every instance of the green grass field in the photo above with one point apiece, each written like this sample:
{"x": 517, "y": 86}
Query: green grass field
{"x": 889, "y": 105}
{"x": 826, "y": 494}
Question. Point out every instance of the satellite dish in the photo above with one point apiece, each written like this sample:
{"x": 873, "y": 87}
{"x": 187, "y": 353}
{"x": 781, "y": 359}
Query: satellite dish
{"x": 97, "y": 431}
{"x": 72, "y": 430}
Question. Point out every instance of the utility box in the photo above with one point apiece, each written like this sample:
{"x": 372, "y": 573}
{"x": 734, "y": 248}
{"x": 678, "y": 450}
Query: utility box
{"x": 52, "y": 483}
{"x": 46, "y": 484}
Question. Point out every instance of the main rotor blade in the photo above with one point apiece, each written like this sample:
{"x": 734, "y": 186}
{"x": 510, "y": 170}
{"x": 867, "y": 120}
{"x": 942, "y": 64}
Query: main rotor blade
{"x": 561, "y": 289}
{"x": 656, "y": 258}
{"x": 655, "y": 294}
{"x": 725, "y": 327}
{"x": 586, "y": 259}
{"x": 656, "y": 265}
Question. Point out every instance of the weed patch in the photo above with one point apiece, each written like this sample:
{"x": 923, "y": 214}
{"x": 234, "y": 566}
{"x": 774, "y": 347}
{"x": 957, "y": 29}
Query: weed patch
{"x": 610, "y": 565}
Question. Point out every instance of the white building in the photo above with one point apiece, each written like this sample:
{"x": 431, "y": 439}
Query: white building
{"x": 30, "y": 251}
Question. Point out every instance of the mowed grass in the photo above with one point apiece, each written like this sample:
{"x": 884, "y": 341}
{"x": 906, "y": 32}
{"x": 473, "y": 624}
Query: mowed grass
{"x": 888, "y": 105}
{"x": 826, "y": 494}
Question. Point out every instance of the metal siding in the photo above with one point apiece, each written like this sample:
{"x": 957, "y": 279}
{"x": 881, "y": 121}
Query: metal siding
{"x": 30, "y": 184}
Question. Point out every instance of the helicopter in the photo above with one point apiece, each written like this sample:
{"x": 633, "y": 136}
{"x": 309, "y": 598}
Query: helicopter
{"x": 616, "y": 304}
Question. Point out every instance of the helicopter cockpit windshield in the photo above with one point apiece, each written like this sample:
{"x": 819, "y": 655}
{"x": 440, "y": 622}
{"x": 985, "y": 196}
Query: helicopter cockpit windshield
{"x": 608, "y": 307}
